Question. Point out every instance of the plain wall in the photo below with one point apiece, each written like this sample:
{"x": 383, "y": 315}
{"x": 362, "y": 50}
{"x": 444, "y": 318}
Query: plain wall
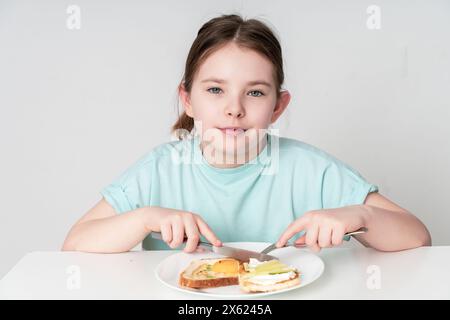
{"x": 78, "y": 107}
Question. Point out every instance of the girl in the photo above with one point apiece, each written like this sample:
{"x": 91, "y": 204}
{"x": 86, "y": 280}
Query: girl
{"x": 227, "y": 178}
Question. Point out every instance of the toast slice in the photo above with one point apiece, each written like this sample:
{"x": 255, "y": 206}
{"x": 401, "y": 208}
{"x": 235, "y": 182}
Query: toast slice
{"x": 211, "y": 273}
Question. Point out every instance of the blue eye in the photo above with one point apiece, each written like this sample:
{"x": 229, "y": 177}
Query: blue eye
{"x": 259, "y": 93}
{"x": 214, "y": 92}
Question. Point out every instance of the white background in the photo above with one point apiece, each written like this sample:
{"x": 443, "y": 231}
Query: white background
{"x": 80, "y": 106}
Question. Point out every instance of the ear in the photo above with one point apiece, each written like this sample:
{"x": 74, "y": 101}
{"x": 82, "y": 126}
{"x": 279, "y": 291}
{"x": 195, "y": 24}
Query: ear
{"x": 185, "y": 100}
{"x": 281, "y": 105}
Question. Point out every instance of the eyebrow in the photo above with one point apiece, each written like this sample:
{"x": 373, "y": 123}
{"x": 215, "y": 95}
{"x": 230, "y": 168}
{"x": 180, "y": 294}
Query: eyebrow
{"x": 250, "y": 83}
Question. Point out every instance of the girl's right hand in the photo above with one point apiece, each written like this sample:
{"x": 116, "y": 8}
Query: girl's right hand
{"x": 174, "y": 225}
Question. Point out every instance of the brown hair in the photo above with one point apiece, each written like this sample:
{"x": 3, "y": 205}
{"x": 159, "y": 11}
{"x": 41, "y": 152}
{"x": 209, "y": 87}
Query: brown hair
{"x": 217, "y": 32}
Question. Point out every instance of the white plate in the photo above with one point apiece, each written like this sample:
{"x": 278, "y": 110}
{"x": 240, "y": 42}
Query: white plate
{"x": 309, "y": 265}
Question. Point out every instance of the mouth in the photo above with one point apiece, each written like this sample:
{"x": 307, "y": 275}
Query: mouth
{"x": 232, "y": 131}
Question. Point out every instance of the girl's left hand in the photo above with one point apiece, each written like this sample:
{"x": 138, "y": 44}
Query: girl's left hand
{"x": 324, "y": 228}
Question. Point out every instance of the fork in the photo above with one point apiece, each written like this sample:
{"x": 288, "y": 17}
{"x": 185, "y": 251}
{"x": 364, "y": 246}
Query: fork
{"x": 273, "y": 246}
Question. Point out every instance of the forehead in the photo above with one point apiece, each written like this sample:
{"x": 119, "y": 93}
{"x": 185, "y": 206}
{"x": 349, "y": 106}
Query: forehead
{"x": 237, "y": 64}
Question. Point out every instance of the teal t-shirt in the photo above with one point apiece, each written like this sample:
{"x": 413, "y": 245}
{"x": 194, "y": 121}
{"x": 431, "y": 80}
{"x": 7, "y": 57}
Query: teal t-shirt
{"x": 253, "y": 202}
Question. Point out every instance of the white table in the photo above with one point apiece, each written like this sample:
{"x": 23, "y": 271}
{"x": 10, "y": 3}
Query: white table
{"x": 350, "y": 273}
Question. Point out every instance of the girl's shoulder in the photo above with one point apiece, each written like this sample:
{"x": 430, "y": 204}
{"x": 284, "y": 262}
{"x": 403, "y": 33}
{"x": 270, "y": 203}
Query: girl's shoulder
{"x": 309, "y": 158}
{"x": 294, "y": 149}
{"x": 167, "y": 149}
{"x": 161, "y": 153}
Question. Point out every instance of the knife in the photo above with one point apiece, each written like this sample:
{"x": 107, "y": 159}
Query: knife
{"x": 239, "y": 254}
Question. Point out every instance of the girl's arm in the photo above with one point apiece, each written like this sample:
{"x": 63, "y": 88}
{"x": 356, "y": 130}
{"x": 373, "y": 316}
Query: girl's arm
{"x": 102, "y": 230}
{"x": 390, "y": 227}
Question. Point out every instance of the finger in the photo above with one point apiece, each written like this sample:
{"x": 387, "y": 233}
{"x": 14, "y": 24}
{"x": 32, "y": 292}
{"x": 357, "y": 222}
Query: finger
{"x": 337, "y": 236}
{"x": 200, "y": 250}
{"x": 297, "y": 226}
{"x": 311, "y": 238}
{"x": 207, "y": 232}
{"x": 166, "y": 232}
{"x": 315, "y": 248}
{"x": 324, "y": 238}
{"x": 301, "y": 240}
{"x": 192, "y": 233}
{"x": 177, "y": 233}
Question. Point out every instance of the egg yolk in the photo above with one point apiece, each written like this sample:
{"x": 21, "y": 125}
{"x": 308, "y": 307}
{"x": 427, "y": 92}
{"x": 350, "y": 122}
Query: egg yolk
{"x": 226, "y": 266}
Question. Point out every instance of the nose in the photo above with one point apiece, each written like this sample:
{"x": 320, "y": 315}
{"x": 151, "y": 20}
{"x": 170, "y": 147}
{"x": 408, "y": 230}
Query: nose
{"x": 235, "y": 110}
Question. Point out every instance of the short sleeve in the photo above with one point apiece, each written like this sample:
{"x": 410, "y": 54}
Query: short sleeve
{"x": 131, "y": 189}
{"x": 343, "y": 186}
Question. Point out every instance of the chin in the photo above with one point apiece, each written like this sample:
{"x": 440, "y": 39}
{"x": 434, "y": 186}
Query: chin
{"x": 234, "y": 142}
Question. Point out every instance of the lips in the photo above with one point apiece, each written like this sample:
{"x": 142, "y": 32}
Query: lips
{"x": 232, "y": 131}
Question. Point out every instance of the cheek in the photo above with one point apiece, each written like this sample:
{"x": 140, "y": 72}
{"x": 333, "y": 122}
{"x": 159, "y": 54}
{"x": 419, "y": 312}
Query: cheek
{"x": 207, "y": 116}
{"x": 203, "y": 109}
{"x": 260, "y": 114}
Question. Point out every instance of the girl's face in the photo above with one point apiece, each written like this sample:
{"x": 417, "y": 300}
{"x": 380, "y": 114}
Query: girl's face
{"x": 233, "y": 97}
